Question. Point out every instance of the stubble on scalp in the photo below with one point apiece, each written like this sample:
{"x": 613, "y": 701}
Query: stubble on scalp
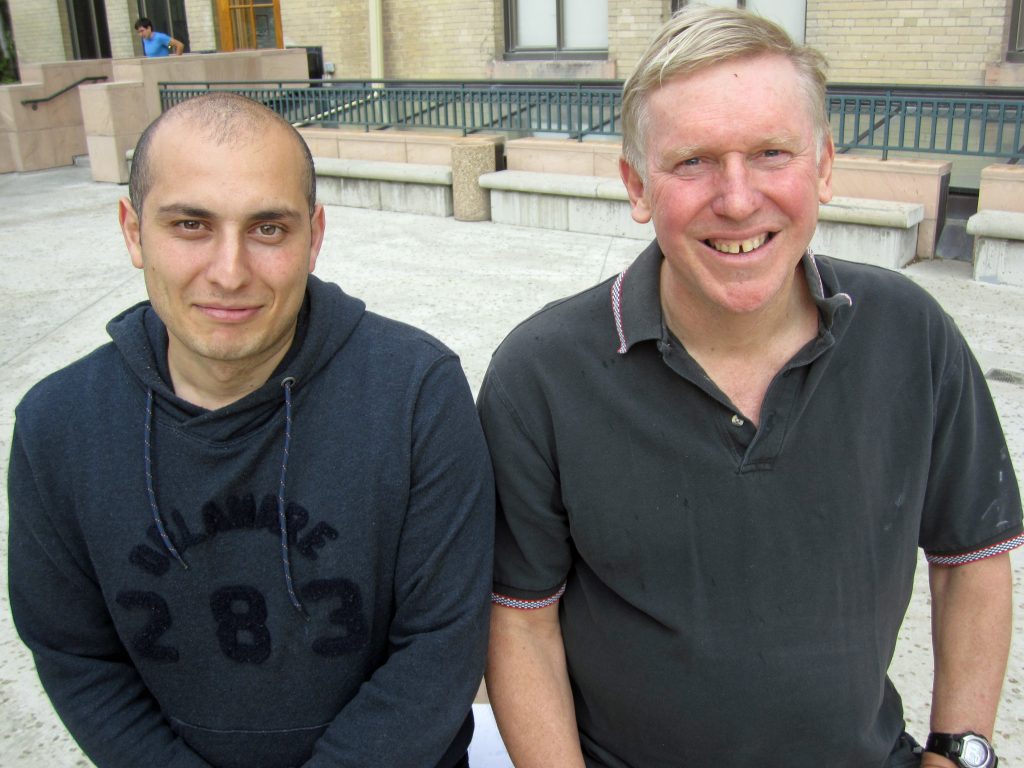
{"x": 223, "y": 118}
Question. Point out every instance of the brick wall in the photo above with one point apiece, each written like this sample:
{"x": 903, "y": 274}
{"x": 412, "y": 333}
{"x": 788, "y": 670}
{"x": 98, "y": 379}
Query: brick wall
{"x": 121, "y": 26}
{"x": 40, "y": 34}
{"x": 947, "y": 42}
{"x": 447, "y": 39}
{"x": 202, "y": 32}
{"x": 339, "y": 26}
{"x": 631, "y": 25}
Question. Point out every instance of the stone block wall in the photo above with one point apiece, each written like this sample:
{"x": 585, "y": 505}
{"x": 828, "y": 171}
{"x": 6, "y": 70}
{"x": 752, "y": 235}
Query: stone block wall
{"x": 340, "y": 28}
{"x": 940, "y": 42}
{"x": 631, "y": 25}
{"x": 40, "y": 31}
{"x": 52, "y": 134}
{"x": 1002, "y": 188}
{"x": 202, "y": 30}
{"x": 444, "y": 39}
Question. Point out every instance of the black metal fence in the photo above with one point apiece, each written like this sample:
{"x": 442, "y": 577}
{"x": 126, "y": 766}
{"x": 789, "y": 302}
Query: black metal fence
{"x": 976, "y": 122}
{"x": 575, "y": 109}
{"x": 985, "y": 122}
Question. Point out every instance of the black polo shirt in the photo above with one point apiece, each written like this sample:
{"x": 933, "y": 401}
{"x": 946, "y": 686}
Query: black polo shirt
{"x": 732, "y": 594}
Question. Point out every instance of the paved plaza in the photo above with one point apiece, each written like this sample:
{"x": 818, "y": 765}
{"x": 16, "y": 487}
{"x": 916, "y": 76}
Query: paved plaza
{"x": 64, "y": 272}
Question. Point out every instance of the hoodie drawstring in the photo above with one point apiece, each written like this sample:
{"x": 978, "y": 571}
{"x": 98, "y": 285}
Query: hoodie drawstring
{"x": 282, "y": 518}
{"x": 147, "y": 453}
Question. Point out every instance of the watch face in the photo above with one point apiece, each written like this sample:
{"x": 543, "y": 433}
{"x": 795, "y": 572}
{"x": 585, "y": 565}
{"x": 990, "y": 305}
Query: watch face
{"x": 975, "y": 753}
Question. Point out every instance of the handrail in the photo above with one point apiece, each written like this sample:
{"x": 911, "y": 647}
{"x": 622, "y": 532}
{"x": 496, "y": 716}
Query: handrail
{"x": 36, "y": 102}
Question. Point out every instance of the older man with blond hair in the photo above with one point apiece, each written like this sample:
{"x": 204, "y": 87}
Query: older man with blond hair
{"x": 715, "y": 469}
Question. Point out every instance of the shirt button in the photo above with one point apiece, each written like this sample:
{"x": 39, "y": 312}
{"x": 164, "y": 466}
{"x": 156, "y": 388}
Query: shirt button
{"x": 737, "y": 421}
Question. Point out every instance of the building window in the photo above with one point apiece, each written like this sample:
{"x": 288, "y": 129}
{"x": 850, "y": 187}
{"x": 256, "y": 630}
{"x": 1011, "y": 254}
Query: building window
{"x": 246, "y": 24}
{"x": 87, "y": 22}
{"x": 556, "y": 29}
{"x": 1015, "y": 49}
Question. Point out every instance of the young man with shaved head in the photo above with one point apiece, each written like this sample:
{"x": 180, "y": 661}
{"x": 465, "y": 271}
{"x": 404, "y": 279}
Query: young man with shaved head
{"x": 715, "y": 469}
{"x": 256, "y": 528}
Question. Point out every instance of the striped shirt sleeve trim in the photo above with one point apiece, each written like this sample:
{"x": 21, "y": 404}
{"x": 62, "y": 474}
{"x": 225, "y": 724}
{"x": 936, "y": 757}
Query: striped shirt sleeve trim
{"x": 527, "y": 605}
{"x": 617, "y": 311}
{"x": 980, "y": 554}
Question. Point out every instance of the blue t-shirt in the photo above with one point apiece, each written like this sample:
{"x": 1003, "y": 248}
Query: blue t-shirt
{"x": 158, "y": 44}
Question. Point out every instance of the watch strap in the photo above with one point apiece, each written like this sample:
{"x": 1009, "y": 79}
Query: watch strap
{"x": 945, "y": 744}
{"x": 951, "y": 746}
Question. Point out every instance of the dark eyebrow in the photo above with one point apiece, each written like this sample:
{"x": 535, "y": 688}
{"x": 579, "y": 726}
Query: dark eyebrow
{"x": 188, "y": 211}
{"x": 193, "y": 212}
{"x": 275, "y": 215}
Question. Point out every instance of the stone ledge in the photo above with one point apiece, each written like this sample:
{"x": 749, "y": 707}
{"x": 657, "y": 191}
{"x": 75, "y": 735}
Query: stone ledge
{"x": 998, "y": 246}
{"x": 385, "y": 185}
{"x": 561, "y": 184}
{"x": 592, "y": 204}
{"x": 1004, "y": 225}
{"x": 874, "y": 213}
{"x": 383, "y": 170}
{"x": 879, "y": 232}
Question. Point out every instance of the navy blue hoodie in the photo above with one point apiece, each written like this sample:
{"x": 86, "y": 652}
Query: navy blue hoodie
{"x": 298, "y": 578}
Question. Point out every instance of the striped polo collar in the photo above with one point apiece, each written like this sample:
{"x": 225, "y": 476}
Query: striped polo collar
{"x": 636, "y": 302}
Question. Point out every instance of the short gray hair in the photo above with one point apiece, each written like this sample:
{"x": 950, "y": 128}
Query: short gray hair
{"x": 699, "y": 37}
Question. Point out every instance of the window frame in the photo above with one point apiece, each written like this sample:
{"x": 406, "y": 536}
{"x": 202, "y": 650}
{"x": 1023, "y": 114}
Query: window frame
{"x": 514, "y": 52}
{"x": 677, "y": 4}
{"x": 1016, "y": 33}
{"x": 225, "y": 19}
{"x": 97, "y": 43}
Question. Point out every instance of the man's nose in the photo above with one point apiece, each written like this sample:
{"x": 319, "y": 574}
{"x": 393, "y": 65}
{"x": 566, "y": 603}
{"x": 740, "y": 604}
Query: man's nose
{"x": 737, "y": 196}
{"x": 228, "y": 267}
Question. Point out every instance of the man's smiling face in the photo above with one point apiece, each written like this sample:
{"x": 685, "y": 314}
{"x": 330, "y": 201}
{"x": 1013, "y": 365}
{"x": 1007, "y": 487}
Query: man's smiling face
{"x": 226, "y": 241}
{"x": 733, "y": 182}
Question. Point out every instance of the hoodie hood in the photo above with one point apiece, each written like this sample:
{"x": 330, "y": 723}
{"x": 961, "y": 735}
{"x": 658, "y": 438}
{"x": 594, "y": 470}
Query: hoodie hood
{"x": 326, "y": 321}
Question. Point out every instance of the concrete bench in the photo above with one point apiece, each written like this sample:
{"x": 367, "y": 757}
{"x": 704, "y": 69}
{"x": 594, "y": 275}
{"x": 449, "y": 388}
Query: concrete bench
{"x": 874, "y": 231}
{"x": 385, "y": 186}
{"x": 591, "y": 204}
{"x": 880, "y": 232}
{"x": 998, "y": 246}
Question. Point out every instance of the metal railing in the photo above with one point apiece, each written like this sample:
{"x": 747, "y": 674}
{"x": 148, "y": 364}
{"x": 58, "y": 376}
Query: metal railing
{"x": 985, "y": 122}
{"x": 34, "y": 103}
{"x": 576, "y": 109}
{"x": 981, "y": 122}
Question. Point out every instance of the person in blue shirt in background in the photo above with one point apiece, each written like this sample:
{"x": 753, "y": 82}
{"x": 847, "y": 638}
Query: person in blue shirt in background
{"x": 157, "y": 43}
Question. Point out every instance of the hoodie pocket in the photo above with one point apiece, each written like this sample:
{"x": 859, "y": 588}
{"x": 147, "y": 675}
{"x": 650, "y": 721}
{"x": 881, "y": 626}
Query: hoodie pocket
{"x": 236, "y": 748}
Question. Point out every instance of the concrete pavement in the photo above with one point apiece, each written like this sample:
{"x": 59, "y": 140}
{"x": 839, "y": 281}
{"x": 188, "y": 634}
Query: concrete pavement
{"x": 64, "y": 272}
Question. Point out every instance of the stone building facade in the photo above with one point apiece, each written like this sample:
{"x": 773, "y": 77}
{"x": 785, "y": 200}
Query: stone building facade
{"x": 939, "y": 42}
{"x": 947, "y": 42}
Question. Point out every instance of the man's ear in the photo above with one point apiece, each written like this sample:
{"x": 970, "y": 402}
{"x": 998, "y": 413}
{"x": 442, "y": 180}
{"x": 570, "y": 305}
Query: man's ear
{"x": 828, "y": 155}
{"x": 131, "y": 228}
{"x": 640, "y": 208}
{"x": 318, "y": 223}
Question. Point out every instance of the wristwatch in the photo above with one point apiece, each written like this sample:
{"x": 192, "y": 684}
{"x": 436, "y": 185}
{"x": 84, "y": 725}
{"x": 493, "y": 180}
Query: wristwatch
{"x": 968, "y": 750}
